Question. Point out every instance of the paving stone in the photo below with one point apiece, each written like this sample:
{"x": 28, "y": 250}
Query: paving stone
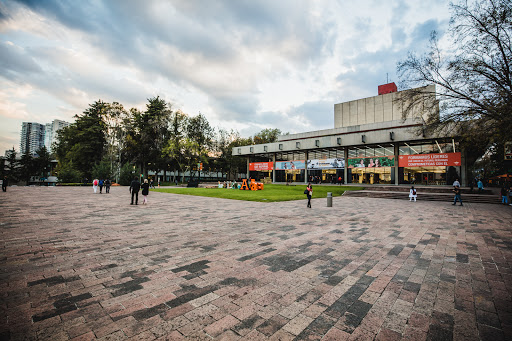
{"x": 187, "y": 267}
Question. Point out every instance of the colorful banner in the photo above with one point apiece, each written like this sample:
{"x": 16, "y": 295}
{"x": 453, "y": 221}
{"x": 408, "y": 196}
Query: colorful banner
{"x": 371, "y": 162}
{"x": 429, "y": 160}
{"x": 326, "y": 164}
{"x": 288, "y": 165}
{"x": 261, "y": 166}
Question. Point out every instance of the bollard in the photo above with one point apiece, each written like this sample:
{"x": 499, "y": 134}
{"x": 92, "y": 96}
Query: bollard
{"x": 329, "y": 199}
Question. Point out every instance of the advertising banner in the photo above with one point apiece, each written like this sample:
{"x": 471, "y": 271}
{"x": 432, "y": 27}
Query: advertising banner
{"x": 326, "y": 164}
{"x": 288, "y": 165}
{"x": 261, "y": 166}
{"x": 429, "y": 160}
{"x": 371, "y": 162}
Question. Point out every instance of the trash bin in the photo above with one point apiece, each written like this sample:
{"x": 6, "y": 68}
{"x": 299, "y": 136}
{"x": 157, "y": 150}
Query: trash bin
{"x": 329, "y": 199}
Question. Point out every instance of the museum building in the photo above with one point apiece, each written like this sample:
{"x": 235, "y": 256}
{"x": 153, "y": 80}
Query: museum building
{"x": 370, "y": 144}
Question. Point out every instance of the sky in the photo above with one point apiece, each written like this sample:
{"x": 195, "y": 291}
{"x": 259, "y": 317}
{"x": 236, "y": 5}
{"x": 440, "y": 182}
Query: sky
{"x": 245, "y": 65}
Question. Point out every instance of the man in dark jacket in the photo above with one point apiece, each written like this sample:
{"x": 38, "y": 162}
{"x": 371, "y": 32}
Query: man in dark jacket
{"x": 134, "y": 189}
{"x": 5, "y": 182}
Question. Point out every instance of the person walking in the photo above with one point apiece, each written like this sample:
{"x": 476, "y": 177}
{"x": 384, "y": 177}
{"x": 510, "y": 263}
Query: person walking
{"x": 413, "y": 194}
{"x": 101, "y": 185}
{"x": 456, "y": 183}
{"x": 456, "y": 190}
{"x": 95, "y": 184}
{"x": 5, "y": 183}
{"x": 309, "y": 193}
{"x": 480, "y": 185}
{"x": 504, "y": 195}
{"x": 134, "y": 190}
{"x": 107, "y": 184}
{"x": 145, "y": 191}
{"x": 510, "y": 196}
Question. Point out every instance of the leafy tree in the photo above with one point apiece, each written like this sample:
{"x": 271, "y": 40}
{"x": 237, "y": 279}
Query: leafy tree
{"x": 82, "y": 143}
{"x": 42, "y": 162}
{"x": 227, "y": 162}
{"x": 26, "y": 167}
{"x": 116, "y": 122}
{"x": 177, "y": 134}
{"x": 267, "y": 135}
{"x": 11, "y": 165}
{"x": 474, "y": 83}
{"x": 102, "y": 170}
{"x": 66, "y": 173}
{"x": 127, "y": 174}
{"x": 148, "y": 133}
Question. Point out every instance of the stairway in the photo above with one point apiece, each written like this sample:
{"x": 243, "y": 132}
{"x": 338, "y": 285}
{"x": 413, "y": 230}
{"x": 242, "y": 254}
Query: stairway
{"x": 425, "y": 193}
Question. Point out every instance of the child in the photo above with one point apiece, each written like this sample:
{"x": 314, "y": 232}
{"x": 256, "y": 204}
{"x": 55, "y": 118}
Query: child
{"x": 95, "y": 183}
{"x": 412, "y": 194}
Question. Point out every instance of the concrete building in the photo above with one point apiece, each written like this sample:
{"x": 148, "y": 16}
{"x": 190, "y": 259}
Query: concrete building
{"x": 31, "y": 137}
{"x": 51, "y": 129}
{"x": 370, "y": 143}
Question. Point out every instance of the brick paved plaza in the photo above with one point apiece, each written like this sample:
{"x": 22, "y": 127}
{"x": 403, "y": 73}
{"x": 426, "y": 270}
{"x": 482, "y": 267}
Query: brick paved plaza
{"x": 80, "y": 266}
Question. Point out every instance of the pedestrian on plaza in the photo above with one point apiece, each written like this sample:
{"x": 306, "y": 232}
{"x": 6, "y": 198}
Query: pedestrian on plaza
{"x": 309, "y": 193}
{"x": 456, "y": 183}
{"x": 145, "y": 191}
{"x": 504, "y": 195}
{"x": 339, "y": 180}
{"x": 472, "y": 185}
{"x": 480, "y": 185}
{"x": 456, "y": 191}
{"x": 107, "y": 184}
{"x": 5, "y": 183}
{"x": 151, "y": 184}
{"x": 134, "y": 190}
{"x": 412, "y": 194}
{"x": 95, "y": 184}
{"x": 101, "y": 185}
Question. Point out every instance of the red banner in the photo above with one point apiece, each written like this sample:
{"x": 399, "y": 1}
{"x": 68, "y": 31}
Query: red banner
{"x": 429, "y": 160}
{"x": 261, "y": 166}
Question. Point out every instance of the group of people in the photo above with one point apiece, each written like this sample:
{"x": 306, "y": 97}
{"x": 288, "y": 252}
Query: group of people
{"x": 100, "y": 183}
{"x": 135, "y": 187}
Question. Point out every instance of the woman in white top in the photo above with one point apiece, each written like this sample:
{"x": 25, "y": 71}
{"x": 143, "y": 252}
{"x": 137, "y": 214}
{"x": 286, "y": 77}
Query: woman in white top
{"x": 412, "y": 194}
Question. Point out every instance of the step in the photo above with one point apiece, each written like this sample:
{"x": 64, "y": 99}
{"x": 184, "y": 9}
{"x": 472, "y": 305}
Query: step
{"x": 446, "y": 197}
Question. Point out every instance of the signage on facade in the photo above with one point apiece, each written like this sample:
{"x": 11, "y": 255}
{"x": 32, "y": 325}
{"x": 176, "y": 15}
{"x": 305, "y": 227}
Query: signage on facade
{"x": 261, "y": 166}
{"x": 371, "y": 162}
{"x": 290, "y": 165}
{"x": 429, "y": 160}
{"x": 326, "y": 164}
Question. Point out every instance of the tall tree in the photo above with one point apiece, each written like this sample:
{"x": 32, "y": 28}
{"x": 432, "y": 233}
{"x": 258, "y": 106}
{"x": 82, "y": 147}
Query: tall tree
{"x": 116, "y": 122}
{"x": 11, "y": 165}
{"x": 42, "y": 163}
{"x": 474, "y": 83}
{"x": 26, "y": 167}
{"x": 266, "y": 135}
{"x": 175, "y": 146}
{"x": 82, "y": 143}
{"x": 226, "y": 162}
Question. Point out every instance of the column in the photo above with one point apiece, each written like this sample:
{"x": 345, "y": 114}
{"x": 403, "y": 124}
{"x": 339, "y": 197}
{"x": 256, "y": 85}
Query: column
{"x": 463, "y": 175}
{"x": 247, "y": 176}
{"x": 274, "y": 168}
{"x": 345, "y": 170}
{"x": 397, "y": 151}
{"x": 306, "y": 154}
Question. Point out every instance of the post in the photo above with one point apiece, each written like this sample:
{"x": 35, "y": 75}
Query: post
{"x": 247, "y": 175}
{"x": 329, "y": 199}
{"x": 345, "y": 170}
{"x": 397, "y": 150}
{"x": 306, "y": 154}
{"x": 274, "y": 168}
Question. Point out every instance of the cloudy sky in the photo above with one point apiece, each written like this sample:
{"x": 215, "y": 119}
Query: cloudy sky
{"x": 245, "y": 65}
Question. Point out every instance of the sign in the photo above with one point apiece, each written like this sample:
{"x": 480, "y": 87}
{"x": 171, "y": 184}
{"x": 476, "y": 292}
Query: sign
{"x": 290, "y": 165}
{"x": 261, "y": 166}
{"x": 200, "y": 166}
{"x": 429, "y": 160}
{"x": 371, "y": 162}
{"x": 326, "y": 164}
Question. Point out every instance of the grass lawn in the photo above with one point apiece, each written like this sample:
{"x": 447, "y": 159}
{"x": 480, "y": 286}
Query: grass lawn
{"x": 271, "y": 193}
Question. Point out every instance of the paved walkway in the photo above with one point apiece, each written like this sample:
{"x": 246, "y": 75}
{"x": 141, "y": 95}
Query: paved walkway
{"x": 80, "y": 266}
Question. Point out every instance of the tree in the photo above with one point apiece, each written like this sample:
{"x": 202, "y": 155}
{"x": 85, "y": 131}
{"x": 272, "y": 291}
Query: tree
{"x": 474, "y": 83}
{"x": 102, "y": 170}
{"x": 267, "y": 135}
{"x": 116, "y": 122}
{"x": 42, "y": 162}
{"x": 82, "y": 143}
{"x": 26, "y": 167}
{"x": 11, "y": 165}
{"x": 66, "y": 173}
{"x": 148, "y": 133}
{"x": 227, "y": 162}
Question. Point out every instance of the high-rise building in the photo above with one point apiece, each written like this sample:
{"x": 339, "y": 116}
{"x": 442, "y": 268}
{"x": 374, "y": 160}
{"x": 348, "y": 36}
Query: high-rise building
{"x": 51, "y": 129}
{"x": 32, "y": 137}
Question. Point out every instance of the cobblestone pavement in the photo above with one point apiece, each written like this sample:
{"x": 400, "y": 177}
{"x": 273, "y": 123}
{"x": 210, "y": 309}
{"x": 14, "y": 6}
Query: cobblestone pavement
{"x": 80, "y": 266}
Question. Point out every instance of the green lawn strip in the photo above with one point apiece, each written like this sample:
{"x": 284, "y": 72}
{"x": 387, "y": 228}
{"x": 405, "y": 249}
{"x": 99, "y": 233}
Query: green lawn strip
{"x": 271, "y": 193}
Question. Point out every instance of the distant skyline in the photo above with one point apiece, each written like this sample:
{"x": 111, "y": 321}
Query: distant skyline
{"x": 245, "y": 65}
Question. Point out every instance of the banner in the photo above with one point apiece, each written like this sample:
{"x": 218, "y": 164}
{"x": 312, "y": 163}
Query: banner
{"x": 429, "y": 160}
{"x": 261, "y": 166}
{"x": 287, "y": 165}
{"x": 371, "y": 162}
{"x": 326, "y": 164}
